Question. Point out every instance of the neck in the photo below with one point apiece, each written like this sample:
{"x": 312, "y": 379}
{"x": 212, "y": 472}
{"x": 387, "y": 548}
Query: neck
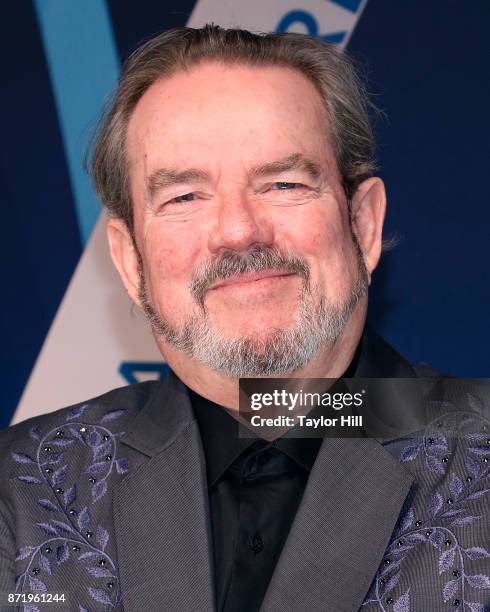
{"x": 329, "y": 362}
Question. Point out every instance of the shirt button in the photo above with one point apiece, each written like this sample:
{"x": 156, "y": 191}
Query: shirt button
{"x": 256, "y": 543}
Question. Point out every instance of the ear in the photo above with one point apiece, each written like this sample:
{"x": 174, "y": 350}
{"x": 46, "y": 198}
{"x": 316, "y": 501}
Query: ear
{"x": 124, "y": 256}
{"x": 367, "y": 215}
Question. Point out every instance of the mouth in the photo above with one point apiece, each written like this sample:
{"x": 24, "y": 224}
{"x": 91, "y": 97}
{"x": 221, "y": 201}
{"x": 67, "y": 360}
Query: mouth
{"x": 251, "y": 278}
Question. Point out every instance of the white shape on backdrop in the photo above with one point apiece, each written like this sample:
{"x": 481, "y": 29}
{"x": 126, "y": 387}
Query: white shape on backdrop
{"x": 317, "y": 17}
{"x": 96, "y": 329}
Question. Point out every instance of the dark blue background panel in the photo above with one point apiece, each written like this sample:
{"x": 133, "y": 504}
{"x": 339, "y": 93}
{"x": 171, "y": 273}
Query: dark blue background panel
{"x": 135, "y": 22}
{"x": 428, "y": 66}
{"x": 40, "y": 244}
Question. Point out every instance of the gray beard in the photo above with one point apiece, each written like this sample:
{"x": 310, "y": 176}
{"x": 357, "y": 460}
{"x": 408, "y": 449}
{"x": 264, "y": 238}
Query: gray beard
{"x": 282, "y": 351}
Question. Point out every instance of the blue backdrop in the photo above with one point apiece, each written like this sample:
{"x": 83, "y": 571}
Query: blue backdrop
{"x": 427, "y": 64}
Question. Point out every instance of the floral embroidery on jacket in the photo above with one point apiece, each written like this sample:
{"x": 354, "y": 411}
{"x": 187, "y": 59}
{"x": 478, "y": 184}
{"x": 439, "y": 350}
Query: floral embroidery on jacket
{"x": 68, "y": 531}
{"x": 445, "y": 516}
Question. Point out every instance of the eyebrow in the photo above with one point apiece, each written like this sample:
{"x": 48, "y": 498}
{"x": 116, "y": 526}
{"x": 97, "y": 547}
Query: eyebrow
{"x": 296, "y": 161}
{"x": 163, "y": 178}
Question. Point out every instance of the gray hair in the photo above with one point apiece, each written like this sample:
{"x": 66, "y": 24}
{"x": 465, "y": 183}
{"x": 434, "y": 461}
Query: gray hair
{"x": 179, "y": 49}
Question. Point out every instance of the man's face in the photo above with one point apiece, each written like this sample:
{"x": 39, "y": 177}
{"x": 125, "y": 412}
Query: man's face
{"x": 246, "y": 253}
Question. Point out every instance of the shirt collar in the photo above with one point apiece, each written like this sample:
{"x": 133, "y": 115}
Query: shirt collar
{"x": 219, "y": 434}
{"x": 222, "y": 444}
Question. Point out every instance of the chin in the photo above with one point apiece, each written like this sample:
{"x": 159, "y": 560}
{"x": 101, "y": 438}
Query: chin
{"x": 255, "y": 331}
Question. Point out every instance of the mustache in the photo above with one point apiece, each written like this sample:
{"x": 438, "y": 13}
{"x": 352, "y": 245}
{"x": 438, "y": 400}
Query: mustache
{"x": 257, "y": 259}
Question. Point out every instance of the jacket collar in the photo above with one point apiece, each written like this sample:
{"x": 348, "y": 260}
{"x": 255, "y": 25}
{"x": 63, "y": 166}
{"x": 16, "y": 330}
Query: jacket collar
{"x": 378, "y": 359}
{"x": 163, "y": 417}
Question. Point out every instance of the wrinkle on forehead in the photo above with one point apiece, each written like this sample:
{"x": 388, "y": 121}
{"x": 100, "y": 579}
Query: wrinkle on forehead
{"x": 195, "y": 120}
{"x": 209, "y": 83}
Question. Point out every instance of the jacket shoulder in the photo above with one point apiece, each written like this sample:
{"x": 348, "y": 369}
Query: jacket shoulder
{"x": 115, "y": 409}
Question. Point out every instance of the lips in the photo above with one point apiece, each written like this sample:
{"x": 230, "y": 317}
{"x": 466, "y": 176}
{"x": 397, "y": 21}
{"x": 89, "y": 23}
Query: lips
{"x": 249, "y": 278}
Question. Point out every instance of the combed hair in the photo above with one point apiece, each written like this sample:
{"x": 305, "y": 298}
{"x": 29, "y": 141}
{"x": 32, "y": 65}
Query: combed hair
{"x": 180, "y": 49}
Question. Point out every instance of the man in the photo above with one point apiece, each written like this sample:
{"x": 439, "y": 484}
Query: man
{"x": 246, "y": 222}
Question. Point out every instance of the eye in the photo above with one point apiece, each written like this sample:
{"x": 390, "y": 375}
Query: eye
{"x": 283, "y": 186}
{"x": 187, "y": 197}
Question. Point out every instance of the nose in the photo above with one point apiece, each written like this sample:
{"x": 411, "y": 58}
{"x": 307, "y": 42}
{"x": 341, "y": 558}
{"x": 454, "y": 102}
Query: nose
{"x": 240, "y": 223}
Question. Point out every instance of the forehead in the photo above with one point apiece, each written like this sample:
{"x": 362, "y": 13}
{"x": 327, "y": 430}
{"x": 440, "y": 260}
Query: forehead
{"x": 254, "y": 114}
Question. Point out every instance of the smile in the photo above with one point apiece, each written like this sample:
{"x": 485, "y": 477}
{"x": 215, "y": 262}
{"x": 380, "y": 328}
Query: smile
{"x": 251, "y": 279}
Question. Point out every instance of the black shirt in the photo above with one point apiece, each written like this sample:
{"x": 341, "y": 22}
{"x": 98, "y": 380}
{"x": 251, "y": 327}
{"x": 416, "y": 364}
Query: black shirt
{"x": 255, "y": 488}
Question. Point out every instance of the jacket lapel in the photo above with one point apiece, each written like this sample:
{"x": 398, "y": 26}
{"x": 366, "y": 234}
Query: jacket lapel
{"x": 350, "y": 506}
{"x": 161, "y": 513}
{"x": 353, "y": 498}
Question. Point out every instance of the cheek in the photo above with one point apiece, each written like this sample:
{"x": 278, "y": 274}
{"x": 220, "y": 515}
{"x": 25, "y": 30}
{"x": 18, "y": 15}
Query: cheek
{"x": 317, "y": 236}
{"x": 327, "y": 245}
{"x": 170, "y": 258}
